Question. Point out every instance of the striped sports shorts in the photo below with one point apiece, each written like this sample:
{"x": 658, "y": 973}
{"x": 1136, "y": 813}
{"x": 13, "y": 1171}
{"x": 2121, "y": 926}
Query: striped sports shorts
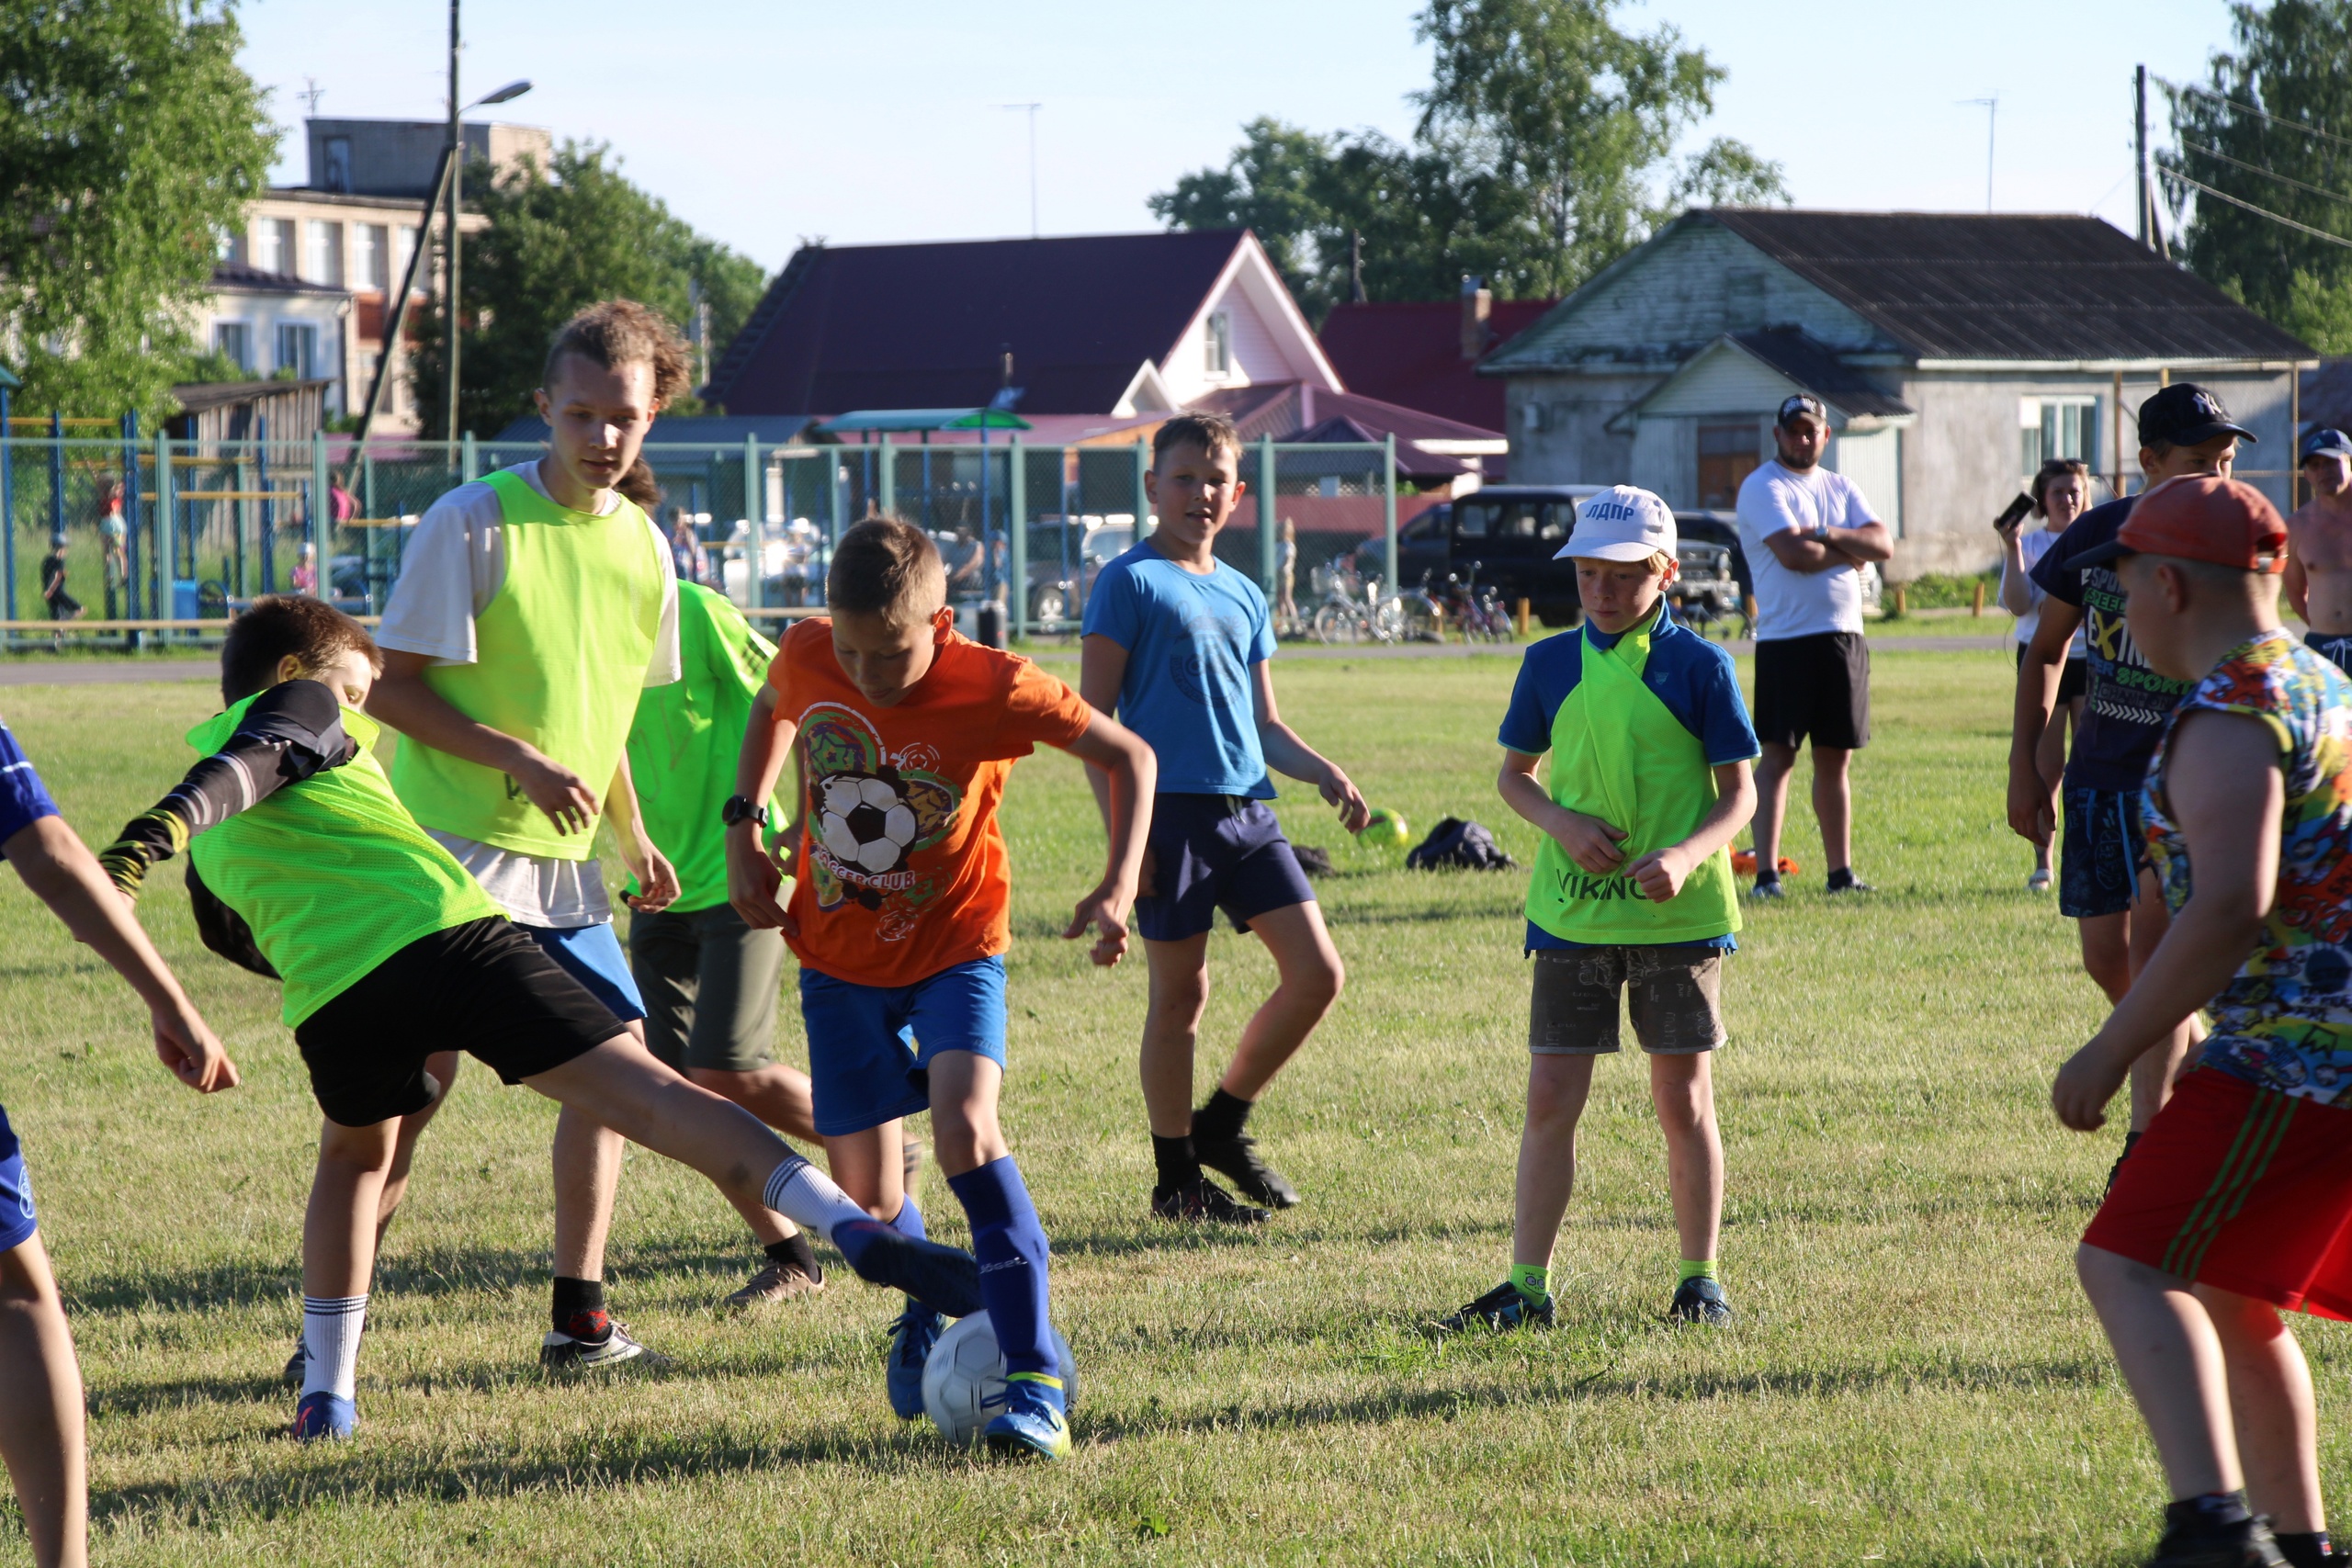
{"x": 2242, "y": 1190}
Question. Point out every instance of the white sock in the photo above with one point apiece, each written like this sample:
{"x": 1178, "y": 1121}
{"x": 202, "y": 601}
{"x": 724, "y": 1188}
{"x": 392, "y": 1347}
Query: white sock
{"x": 807, "y": 1196}
{"x": 331, "y": 1327}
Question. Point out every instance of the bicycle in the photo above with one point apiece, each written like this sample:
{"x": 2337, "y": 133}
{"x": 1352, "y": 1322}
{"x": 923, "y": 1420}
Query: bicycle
{"x": 1350, "y": 616}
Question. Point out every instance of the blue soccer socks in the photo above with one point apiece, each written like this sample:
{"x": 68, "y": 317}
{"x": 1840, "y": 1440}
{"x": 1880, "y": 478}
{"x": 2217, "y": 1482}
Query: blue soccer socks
{"x": 331, "y": 1326}
{"x": 1011, "y": 1249}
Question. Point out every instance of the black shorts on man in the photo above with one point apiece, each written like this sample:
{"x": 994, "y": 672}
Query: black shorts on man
{"x": 482, "y": 988}
{"x": 1817, "y": 688}
{"x": 2100, "y": 856}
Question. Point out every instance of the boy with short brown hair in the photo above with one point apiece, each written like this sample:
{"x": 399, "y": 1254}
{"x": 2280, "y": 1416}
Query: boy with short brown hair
{"x": 906, "y": 733}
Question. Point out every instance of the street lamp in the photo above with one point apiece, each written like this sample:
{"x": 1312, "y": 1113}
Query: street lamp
{"x": 456, "y": 181}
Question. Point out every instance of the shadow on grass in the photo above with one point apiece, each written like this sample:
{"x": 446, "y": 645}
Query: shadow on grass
{"x": 381, "y": 1476}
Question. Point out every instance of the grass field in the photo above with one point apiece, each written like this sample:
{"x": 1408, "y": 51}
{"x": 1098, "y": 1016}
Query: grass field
{"x": 1913, "y": 1380}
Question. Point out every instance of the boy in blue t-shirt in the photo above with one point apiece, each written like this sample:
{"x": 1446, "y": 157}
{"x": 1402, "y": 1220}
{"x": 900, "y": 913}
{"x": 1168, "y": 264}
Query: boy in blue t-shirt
{"x": 41, "y": 1386}
{"x": 1177, "y": 644}
{"x": 1650, "y": 749}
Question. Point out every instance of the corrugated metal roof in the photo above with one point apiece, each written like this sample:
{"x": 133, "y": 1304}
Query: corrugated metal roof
{"x": 1814, "y": 365}
{"x": 926, "y": 325}
{"x": 2010, "y": 285}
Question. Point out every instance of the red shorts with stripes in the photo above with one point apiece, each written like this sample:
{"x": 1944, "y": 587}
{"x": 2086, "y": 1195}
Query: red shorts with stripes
{"x": 2241, "y": 1189}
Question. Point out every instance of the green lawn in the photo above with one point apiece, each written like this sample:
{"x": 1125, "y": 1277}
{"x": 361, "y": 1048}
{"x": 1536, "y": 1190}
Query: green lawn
{"x": 1914, "y": 1378}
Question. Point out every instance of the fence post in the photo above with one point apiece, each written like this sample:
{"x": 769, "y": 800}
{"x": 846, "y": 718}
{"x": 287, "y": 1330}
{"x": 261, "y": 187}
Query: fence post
{"x": 56, "y": 474}
{"x": 755, "y": 517}
{"x": 470, "y": 459}
{"x": 321, "y": 494}
{"x": 888, "y": 487}
{"x": 1388, "y": 488}
{"x": 7, "y": 499}
{"x": 1143, "y": 496}
{"x": 167, "y": 544}
{"x": 836, "y": 496}
{"x": 1267, "y": 550}
{"x": 268, "y": 508}
{"x": 131, "y": 553}
{"x": 1016, "y": 519}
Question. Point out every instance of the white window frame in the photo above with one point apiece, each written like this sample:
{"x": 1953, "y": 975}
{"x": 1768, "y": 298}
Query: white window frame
{"x": 371, "y": 253}
{"x": 1216, "y": 344}
{"x": 274, "y": 239}
{"x": 2042, "y": 424}
{"x": 305, "y": 331}
{"x": 321, "y": 252}
{"x": 246, "y": 328}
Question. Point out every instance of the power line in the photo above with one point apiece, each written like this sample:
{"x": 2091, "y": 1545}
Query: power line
{"x": 2202, "y": 188}
{"x": 2269, "y": 173}
{"x": 2259, "y": 113}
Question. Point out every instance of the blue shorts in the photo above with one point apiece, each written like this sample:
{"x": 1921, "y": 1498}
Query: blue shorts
{"x": 2336, "y": 650}
{"x": 593, "y": 955}
{"x": 870, "y": 1046}
{"x": 2099, "y": 859}
{"x": 1214, "y": 851}
{"x": 18, "y": 1221}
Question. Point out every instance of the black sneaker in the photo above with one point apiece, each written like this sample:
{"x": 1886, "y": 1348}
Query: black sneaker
{"x": 559, "y": 1352}
{"x": 1236, "y": 1158}
{"x": 1852, "y": 885}
{"x": 2117, "y": 1168}
{"x": 1203, "y": 1202}
{"x": 2245, "y": 1544}
{"x": 1700, "y": 1301}
{"x": 1500, "y": 1310}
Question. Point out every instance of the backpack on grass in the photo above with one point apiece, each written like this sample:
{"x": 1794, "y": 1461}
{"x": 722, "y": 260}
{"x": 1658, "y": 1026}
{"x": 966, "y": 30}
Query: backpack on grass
{"x": 1464, "y": 845}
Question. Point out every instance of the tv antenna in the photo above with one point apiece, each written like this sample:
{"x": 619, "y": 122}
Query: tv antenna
{"x": 311, "y": 92}
{"x": 1033, "y": 109}
{"x": 1992, "y": 107}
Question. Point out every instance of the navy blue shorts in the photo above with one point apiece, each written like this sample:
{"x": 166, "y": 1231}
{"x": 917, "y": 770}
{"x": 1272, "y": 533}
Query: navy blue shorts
{"x": 593, "y": 955}
{"x": 2336, "y": 650}
{"x": 870, "y": 1046}
{"x": 2099, "y": 859}
{"x": 18, "y": 1221}
{"x": 1214, "y": 851}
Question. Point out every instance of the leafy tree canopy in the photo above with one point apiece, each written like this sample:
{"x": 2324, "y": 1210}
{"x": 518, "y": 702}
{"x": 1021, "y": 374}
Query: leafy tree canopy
{"x": 129, "y": 143}
{"x": 557, "y": 242}
{"x": 1543, "y": 151}
{"x": 2286, "y": 64}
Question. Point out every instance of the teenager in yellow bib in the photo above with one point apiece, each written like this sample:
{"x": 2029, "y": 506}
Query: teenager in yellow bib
{"x": 1650, "y": 749}
{"x": 533, "y": 609}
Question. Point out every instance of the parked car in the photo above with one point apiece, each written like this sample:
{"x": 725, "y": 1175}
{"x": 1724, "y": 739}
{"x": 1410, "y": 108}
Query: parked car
{"x": 1093, "y": 542}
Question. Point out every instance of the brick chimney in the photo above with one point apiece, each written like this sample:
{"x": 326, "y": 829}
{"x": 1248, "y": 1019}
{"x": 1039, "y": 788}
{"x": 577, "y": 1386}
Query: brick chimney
{"x": 1478, "y": 304}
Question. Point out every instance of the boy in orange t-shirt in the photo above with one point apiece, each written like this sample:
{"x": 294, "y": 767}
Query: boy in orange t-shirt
{"x": 899, "y": 915}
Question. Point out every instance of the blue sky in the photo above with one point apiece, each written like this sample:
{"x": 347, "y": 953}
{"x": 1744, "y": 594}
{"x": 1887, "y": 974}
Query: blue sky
{"x": 761, "y": 121}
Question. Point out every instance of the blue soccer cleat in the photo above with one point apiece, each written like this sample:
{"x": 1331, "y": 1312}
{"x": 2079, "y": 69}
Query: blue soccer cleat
{"x": 321, "y": 1416}
{"x": 1032, "y": 1424}
{"x": 913, "y": 1334}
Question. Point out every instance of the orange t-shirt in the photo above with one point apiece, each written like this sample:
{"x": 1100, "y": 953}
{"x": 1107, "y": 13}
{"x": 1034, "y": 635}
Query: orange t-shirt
{"x": 902, "y": 870}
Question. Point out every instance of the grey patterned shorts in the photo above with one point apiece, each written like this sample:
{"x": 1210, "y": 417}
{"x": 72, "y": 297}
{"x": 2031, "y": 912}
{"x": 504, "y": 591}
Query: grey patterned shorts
{"x": 1674, "y": 993}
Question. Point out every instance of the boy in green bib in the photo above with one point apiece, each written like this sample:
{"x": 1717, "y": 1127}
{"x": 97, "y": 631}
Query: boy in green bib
{"x": 534, "y": 608}
{"x": 307, "y": 867}
{"x": 1650, "y": 747}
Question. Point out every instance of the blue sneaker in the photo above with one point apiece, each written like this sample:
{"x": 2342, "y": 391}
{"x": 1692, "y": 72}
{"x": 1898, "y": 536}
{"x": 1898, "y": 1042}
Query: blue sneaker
{"x": 321, "y": 1416}
{"x": 911, "y": 1337}
{"x": 1032, "y": 1424}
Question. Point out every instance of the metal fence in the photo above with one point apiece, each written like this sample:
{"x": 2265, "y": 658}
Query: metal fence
{"x": 164, "y": 539}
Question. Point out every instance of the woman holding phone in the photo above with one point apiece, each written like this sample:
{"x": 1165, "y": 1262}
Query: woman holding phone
{"x": 2061, "y": 493}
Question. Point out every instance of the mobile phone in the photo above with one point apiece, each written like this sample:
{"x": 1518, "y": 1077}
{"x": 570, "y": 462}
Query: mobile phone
{"x": 2014, "y": 510}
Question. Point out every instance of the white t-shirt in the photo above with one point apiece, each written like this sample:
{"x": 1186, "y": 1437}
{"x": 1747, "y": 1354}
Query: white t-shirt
{"x": 1775, "y": 500}
{"x": 2033, "y": 546}
{"x": 453, "y": 567}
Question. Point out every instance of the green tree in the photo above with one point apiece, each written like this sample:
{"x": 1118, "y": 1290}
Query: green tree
{"x": 1542, "y": 152}
{"x": 2286, "y": 65}
{"x": 579, "y": 233}
{"x": 129, "y": 143}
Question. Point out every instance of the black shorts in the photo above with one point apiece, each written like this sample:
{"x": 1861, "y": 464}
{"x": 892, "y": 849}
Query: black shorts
{"x": 2074, "y": 677}
{"x": 1815, "y": 688}
{"x": 2100, "y": 856}
{"x": 482, "y": 988}
{"x": 1214, "y": 851}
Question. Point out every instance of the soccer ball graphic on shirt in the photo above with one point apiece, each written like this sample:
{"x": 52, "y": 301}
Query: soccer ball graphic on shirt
{"x": 866, "y": 821}
{"x": 963, "y": 1380}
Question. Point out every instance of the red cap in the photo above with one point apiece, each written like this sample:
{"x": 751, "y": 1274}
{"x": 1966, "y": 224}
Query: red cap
{"x": 2202, "y": 517}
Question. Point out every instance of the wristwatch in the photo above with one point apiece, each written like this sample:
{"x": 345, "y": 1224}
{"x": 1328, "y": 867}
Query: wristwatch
{"x": 739, "y": 808}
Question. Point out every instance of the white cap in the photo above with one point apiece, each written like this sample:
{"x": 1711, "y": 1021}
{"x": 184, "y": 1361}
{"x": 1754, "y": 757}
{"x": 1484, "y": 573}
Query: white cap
{"x": 1621, "y": 524}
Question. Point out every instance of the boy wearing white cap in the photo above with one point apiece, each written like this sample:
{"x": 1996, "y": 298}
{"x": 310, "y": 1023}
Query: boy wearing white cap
{"x": 1650, "y": 747}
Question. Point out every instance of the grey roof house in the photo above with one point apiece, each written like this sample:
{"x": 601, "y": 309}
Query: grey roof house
{"x": 1954, "y": 352}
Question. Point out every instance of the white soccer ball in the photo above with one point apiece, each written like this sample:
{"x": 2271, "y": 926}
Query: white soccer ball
{"x": 865, "y": 822}
{"x": 963, "y": 1382}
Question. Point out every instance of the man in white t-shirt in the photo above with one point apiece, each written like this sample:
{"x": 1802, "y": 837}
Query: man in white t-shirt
{"x": 1808, "y": 534}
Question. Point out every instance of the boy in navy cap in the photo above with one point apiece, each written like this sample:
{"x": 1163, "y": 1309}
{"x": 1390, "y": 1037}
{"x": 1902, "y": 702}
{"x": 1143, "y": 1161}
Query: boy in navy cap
{"x": 2318, "y": 548}
{"x": 2184, "y": 431}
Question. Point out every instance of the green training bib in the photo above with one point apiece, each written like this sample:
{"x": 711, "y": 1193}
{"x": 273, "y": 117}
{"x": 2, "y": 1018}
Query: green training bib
{"x": 333, "y": 874}
{"x": 1620, "y": 755}
{"x": 560, "y": 659}
{"x": 683, "y": 747}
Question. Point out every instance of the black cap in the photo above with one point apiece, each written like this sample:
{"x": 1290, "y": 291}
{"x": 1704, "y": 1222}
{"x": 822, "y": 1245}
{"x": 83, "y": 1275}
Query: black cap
{"x": 2186, "y": 414}
{"x": 1803, "y": 403}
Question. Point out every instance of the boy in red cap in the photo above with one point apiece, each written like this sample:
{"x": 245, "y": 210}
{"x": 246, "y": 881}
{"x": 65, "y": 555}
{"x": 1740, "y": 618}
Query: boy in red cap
{"x": 2237, "y": 1204}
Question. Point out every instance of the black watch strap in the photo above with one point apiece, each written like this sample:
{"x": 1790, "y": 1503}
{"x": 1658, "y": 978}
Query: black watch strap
{"x": 740, "y": 808}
